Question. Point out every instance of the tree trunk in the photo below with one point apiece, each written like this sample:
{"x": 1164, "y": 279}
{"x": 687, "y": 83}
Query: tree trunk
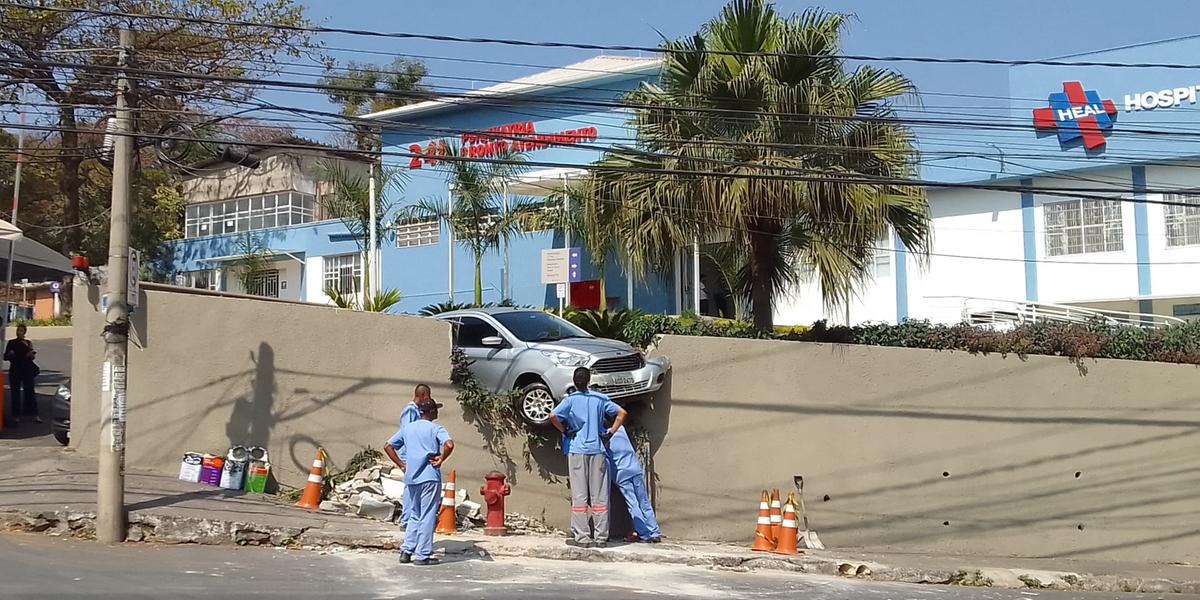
{"x": 603, "y": 294}
{"x": 478, "y": 280}
{"x": 69, "y": 182}
{"x": 762, "y": 239}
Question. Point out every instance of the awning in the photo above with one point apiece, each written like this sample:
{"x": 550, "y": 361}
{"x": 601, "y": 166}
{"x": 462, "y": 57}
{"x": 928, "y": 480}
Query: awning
{"x": 268, "y": 254}
{"x": 544, "y": 182}
{"x": 31, "y": 260}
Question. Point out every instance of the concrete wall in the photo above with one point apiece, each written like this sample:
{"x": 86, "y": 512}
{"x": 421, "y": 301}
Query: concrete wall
{"x": 943, "y": 451}
{"x": 900, "y": 448}
{"x": 208, "y": 371}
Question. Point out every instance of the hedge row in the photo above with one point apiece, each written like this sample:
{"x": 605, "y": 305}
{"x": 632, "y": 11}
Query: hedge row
{"x": 1175, "y": 344}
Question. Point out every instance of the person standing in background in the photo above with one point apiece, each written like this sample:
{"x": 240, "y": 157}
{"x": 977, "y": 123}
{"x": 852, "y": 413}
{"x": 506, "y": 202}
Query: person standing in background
{"x": 627, "y": 474}
{"x": 408, "y": 415}
{"x": 22, "y": 372}
{"x": 425, "y": 446}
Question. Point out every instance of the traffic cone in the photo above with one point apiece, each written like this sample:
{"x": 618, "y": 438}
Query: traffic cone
{"x": 776, "y": 515}
{"x": 312, "y": 490}
{"x": 445, "y": 522}
{"x": 763, "y": 542}
{"x": 786, "y": 543}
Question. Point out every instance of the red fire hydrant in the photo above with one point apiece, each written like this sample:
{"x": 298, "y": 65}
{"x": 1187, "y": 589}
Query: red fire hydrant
{"x": 494, "y": 492}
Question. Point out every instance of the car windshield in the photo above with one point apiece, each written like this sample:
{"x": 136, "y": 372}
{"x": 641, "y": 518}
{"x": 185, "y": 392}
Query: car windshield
{"x": 537, "y": 326}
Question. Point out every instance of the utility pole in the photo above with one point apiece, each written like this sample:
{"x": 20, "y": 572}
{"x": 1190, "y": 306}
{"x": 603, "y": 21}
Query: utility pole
{"x": 372, "y": 237}
{"x": 12, "y": 244}
{"x": 110, "y": 505}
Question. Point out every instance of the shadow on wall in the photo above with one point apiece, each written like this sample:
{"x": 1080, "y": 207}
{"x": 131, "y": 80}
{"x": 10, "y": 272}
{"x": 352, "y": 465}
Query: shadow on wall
{"x": 251, "y": 420}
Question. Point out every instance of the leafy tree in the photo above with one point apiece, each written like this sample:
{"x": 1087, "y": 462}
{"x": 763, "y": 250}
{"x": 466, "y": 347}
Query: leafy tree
{"x": 477, "y": 216}
{"x": 80, "y": 91}
{"x": 798, "y": 141}
{"x": 395, "y": 84}
{"x": 253, "y": 260}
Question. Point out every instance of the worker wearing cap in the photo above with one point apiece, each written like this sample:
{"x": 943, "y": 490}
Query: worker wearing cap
{"x": 425, "y": 446}
{"x": 586, "y": 410}
{"x": 627, "y": 474}
{"x": 408, "y": 415}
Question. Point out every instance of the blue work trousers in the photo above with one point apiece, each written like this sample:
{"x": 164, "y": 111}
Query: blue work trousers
{"x": 640, "y": 510}
{"x": 424, "y": 500}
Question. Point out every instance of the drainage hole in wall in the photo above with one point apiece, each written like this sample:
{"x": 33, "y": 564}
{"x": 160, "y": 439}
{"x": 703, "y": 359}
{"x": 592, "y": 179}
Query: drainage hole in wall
{"x": 826, "y": 498}
{"x": 945, "y": 473}
{"x": 1078, "y": 474}
{"x": 947, "y": 523}
{"x": 1080, "y": 527}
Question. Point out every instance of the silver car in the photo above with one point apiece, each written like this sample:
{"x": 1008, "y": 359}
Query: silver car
{"x": 537, "y": 353}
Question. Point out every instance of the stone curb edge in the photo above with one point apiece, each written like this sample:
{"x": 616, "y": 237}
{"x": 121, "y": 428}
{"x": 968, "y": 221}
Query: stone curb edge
{"x": 167, "y": 529}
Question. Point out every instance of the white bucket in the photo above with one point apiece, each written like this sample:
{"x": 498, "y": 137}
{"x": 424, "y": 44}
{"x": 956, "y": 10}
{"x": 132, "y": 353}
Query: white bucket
{"x": 189, "y": 467}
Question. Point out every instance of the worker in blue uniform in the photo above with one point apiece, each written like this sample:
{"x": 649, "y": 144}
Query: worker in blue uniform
{"x": 627, "y": 474}
{"x": 408, "y": 415}
{"x": 425, "y": 446}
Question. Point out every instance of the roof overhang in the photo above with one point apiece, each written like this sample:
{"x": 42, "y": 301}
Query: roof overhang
{"x": 544, "y": 182}
{"x": 269, "y": 255}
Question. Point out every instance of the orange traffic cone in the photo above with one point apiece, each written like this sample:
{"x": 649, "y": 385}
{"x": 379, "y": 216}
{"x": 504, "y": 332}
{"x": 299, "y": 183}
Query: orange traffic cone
{"x": 776, "y": 515}
{"x": 786, "y": 543}
{"x": 763, "y": 542}
{"x": 312, "y": 490}
{"x": 445, "y": 522}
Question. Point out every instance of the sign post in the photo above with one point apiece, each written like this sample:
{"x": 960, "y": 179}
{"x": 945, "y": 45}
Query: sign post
{"x": 561, "y": 267}
{"x": 135, "y": 276}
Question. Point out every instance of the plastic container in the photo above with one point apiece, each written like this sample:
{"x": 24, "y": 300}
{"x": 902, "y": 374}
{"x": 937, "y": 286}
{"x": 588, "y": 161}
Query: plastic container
{"x": 257, "y": 473}
{"x": 234, "y": 472}
{"x": 210, "y": 470}
{"x": 189, "y": 467}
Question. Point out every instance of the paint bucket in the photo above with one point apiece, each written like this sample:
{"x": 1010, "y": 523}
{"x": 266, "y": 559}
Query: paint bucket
{"x": 235, "y": 468}
{"x": 257, "y": 473}
{"x": 210, "y": 470}
{"x": 189, "y": 467}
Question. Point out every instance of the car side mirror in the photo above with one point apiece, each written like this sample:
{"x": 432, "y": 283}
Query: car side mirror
{"x": 493, "y": 341}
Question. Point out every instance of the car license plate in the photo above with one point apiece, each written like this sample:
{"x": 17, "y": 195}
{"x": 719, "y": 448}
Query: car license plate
{"x": 622, "y": 379}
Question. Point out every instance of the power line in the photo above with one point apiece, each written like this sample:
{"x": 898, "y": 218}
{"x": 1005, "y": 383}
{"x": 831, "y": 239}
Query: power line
{"x": 600, "y": 47}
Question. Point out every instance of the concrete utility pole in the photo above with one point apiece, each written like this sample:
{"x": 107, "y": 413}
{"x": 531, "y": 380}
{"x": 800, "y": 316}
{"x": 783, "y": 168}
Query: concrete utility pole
{"x": 372, "y": 237}
{"x": 110, "y": 505}
{"x": 12, "y": 244}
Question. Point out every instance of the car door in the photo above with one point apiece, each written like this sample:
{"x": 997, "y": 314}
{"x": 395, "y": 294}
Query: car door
{"x": 490, "y": 364}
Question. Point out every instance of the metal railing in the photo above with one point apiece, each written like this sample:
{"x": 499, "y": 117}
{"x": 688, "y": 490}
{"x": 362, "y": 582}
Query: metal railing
{"x": 1003, "y": 314}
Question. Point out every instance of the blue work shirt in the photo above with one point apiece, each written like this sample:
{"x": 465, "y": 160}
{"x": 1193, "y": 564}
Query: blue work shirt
{"x": 416, "y": 441}
{"x": 623, "y": 461}
{"x": 583, "y": 413}
{"x": 409, "y": 414}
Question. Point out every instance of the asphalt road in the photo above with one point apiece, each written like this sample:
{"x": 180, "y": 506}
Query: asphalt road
{"x": 40, "y": 566}
{"x": 54, "y": 358}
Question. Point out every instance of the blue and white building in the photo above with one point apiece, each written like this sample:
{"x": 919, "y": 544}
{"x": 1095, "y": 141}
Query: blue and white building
{"x": 1080, "y": 189}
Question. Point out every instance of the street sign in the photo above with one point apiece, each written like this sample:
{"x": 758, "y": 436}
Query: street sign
{"x": 554, "y": 265}
{"x": 55, "y": 287}
{"x": 135, "y": 276}
{"x": 575, "y": 264}
{"x": 560, "y": 290}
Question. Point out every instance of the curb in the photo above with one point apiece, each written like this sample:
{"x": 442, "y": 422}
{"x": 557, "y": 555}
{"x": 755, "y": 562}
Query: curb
{"x": 167, "y": 529}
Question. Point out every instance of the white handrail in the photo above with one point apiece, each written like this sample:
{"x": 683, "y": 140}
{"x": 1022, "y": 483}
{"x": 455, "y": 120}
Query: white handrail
{"x": 996, "y": 313}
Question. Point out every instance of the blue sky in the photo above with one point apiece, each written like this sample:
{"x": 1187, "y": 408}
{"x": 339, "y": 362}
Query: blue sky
{"x": 1010, "y": 29}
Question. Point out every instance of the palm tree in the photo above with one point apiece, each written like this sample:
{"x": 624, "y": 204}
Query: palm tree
{"x": 805, "y": 153}
{"x": 252, "y": 262}
{"x": 478, "y": 217}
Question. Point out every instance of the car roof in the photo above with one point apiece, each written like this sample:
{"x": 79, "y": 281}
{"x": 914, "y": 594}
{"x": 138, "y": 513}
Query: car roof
{"x": 487, "y": 311}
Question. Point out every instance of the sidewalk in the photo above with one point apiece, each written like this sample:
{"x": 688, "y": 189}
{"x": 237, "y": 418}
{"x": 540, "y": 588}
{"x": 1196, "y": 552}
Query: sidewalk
{"x": 53, "y": 491}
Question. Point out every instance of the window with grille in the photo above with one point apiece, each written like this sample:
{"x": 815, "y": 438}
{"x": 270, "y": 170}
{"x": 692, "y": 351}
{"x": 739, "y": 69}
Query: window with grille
{"x": 1183, "y": 222}
{"x": 344, "y": 273}
{"x": 265, "y": 284}
{"x": 1083, "y": 227}
{"x": 239, "y": 215}
{"x": 203, "y": 280}
{"x": 419, "y": 232}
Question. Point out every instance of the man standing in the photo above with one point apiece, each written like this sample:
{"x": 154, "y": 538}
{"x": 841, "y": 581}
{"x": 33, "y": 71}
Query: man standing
{"x": 627, "y": 473}
{"x": 425, "y": 445}
{"x": 21, "y": 374}
{"x": 586, "y": 410}
{"x": 408, "y": 415}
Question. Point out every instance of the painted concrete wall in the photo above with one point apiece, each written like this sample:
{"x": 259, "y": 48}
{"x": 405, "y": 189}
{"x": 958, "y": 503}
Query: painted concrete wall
{"x": 900, "y": 448}
{"x": 918, "y": 450}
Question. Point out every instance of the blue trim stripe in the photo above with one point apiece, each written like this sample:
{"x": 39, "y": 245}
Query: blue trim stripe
{"x": 1141, "y": 231}
{"x": 901, "y": 259}
{"x": 1029, "y": 237}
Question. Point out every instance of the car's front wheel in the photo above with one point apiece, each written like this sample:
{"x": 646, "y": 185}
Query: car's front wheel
{"x": 63, "y": 437}
{"x": 535, "y": 403}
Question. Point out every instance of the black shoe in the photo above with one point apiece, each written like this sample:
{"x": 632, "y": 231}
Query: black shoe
{"x": 577, "y": 544}
{"x": 405, "y": 558}
{"x": 654, "y": 540}
{"x": 38, "y": 420}
{"x": 600, "y": 544}
{"x": 426, "y": 562}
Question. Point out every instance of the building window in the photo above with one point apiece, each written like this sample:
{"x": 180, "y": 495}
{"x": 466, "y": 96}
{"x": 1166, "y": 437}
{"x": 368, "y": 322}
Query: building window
{"x": 1183, "y": 222}
{"x": 417, "y": 232}
{"x": 343, "y": 273}
{"x": 265, "y": 284}
{"x": 240, "y": 215}
{"x": 201, "y": 280}
{"x": 1083, "y": 227}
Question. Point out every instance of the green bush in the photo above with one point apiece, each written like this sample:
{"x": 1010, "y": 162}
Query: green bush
{"x": 57, "y": 322}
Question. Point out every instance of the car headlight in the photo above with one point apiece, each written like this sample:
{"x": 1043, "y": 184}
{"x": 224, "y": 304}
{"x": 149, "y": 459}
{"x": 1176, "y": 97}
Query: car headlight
{"x": 566, "y": 359}
{"x": 64, "y": 392}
